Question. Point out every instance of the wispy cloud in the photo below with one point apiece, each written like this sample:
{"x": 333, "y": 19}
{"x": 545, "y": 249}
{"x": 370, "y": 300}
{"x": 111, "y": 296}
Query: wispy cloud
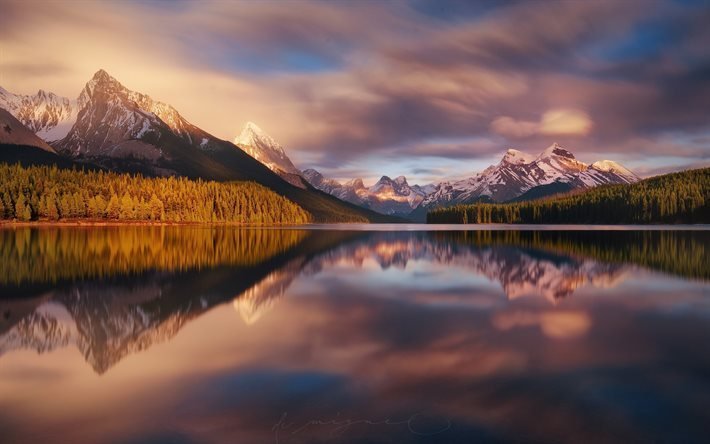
{"x": 341, "y": 83}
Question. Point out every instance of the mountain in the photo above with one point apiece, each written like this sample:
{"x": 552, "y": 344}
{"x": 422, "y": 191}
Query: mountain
{"x": 675, "y": 198}
{"x": 319, "y": 181}
{"x": 47, "y": 115}
{"x": 262, "y": 147}
{"x": 13, "y": 132}
{"x": 519, "y": 172}
{"x": 387, "y": 196}
{"x": 518, "y": 176}
{"x": 127, "y": 131}
{"x": 115, "y": 122}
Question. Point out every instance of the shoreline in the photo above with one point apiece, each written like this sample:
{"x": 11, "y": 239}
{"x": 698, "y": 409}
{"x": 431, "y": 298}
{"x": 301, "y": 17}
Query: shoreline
{"x": 358, "y": 226}
{"x": 116, "y": 223}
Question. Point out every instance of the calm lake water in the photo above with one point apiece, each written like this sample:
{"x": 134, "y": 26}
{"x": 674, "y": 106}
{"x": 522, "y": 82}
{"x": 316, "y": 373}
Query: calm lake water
{"x": 226, "y": 335}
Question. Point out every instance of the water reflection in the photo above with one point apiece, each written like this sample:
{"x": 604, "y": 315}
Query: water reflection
{"x": 302, "y": 336}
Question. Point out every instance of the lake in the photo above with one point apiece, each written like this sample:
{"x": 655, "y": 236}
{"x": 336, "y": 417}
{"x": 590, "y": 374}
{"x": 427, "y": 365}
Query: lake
{"x": 342, "y": 335}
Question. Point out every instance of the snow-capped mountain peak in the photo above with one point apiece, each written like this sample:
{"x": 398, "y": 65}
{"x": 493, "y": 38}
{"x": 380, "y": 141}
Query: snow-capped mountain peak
{"x": 556, "y": 160}
{"x": 516, "y": 157}
{"x": 519, "y": 172}
{"x": 555, "y": 150}
{"x": 46, "y": 114}
{"x": 262, "y": 147}
{"x": 253, "y": 135}
{"x": 611, "y": 166}
{"x": 355, "y": 184}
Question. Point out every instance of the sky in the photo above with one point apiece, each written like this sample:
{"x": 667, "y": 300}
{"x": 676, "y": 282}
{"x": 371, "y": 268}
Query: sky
{"x": 427, "y": 89}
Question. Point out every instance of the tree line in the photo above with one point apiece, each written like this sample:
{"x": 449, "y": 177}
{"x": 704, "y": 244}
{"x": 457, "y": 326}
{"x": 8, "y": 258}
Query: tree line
{"x": 53, "y": 254}
{"x": 669, "y": 199}
{"x": 49, "y": 193}
{"x": 679, "y": 252}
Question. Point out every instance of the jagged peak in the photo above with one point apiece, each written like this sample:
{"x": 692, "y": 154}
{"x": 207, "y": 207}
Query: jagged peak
{"x": 556, "y": 150}
{"x": 355, "y": 183}
{"x": 101, "y": 81}
{"x": 251, "y": 126}
{"x": 252, "y": 135}
{"x": 401, "y": 180}
{"x": 102, "y": 75}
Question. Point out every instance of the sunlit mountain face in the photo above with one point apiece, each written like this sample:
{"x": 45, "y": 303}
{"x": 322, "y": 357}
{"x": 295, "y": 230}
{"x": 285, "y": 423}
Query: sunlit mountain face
{"x": 310, "y": 336}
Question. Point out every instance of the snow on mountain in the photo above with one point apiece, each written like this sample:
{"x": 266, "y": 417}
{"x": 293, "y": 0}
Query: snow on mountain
{"x": 262, "y": 147}
{"x": 46, "y": 114}
{"x": 258, "y": 144}
{"x": 115, "y": 122}
{"x": 111, "y": 123}
{"x": 13, "y": 132}
{"x": 519, "y": 172}
{"x": 609, "y": 166}
{"x": 386, "y": 196}
{"x": 322, "y": 183}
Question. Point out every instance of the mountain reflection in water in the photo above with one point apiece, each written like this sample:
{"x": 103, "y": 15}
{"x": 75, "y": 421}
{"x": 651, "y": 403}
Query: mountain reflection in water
{"x": 594, "y": 331}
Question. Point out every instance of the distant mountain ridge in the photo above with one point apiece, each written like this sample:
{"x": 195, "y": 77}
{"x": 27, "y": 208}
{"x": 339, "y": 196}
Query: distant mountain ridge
{"x": 518, "y": 172}
{"x": 387, "y": 196}
{"x": 517, "y": 176}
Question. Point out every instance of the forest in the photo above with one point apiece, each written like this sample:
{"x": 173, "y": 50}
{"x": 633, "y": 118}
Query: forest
{"x": 47, "y": 193}
{"x": 676, "y": 198}
{"x": 55, "y": 254}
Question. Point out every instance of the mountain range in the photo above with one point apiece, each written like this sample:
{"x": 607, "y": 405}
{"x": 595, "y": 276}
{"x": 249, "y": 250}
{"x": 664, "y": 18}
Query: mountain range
{"x": 113, "y": 127}
{"x": 518, "y": 176}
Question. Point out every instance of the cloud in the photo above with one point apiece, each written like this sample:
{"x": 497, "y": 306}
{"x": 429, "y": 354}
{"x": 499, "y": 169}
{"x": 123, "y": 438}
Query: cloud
{"x": 565, "y": 121}
{"x": 338, "y": 82}
{"x": 509, "y": 127}
{"x": 553, "y": 324}
{"x": 570, "y": 122}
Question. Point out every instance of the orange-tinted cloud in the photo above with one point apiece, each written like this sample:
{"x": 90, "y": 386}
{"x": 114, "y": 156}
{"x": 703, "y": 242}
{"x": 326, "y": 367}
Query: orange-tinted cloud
{"x": 338, "y": 81}
{"x": 553, "y": 324}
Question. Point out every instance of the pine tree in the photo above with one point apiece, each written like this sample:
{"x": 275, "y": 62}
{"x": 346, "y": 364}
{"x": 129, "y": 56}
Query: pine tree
{"x": 113, "y": 208}
{"x": 22, "y": 209}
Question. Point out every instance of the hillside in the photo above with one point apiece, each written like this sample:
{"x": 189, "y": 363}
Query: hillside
{"x": 50, "y": 193}
{"x": 669, "y": 199}
{"x": 13, "y": 132}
